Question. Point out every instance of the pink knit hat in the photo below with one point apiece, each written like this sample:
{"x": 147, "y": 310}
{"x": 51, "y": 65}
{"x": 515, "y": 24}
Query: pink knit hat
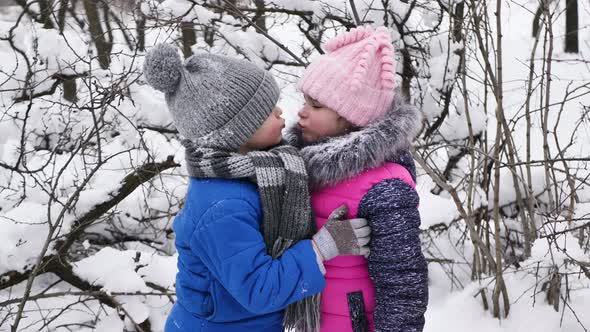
{"x": 355, "y": 77}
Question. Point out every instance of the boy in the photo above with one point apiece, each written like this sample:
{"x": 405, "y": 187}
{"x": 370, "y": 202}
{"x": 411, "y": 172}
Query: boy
{"x": 245, "y": 236}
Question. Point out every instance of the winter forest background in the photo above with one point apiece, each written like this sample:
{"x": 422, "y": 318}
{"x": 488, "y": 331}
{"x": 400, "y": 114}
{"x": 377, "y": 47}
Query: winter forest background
{"x": 91, "y": 169}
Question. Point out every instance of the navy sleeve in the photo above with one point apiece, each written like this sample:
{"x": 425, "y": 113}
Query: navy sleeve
{"x": 396, "y": 264}
{"x": 230, "y": 244}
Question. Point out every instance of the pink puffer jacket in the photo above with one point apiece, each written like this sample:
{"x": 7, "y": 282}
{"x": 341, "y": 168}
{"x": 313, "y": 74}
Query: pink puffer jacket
{"x": 347, "y": 274}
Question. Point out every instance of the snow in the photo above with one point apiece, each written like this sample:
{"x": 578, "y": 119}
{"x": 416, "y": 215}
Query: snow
{"x": 111, "y": 323}
{"x": 434, "y": 209}
{"x": 131, "y": 266}
{"x": 178, "y": 8}
{"x": 149, "y": 107}
{"x": 161, "y": 271}
{"x": 55, "y": 48}
{"x": 16, "y": 246}
{"x": 134, "y": 307}
{"x": 462, "y": 311}
{"x": 127, "y": 271}
{"x": 113, "y": 270}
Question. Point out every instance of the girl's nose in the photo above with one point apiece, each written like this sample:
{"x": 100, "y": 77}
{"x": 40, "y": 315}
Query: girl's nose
{"x": 302, "y": 113}
{"x": 278, "y": 112}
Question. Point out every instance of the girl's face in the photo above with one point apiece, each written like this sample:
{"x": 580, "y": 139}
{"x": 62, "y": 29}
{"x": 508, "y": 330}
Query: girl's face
{"x": 317, "y": 121}
{"x": 268, "y": 135}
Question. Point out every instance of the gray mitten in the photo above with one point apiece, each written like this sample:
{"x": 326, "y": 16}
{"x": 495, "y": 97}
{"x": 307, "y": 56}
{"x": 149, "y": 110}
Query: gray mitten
{"x": 343, "y": 236}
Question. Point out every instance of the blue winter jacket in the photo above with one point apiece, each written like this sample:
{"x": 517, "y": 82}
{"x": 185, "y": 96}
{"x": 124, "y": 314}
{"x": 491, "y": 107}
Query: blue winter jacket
{"x": 226, "y": 281}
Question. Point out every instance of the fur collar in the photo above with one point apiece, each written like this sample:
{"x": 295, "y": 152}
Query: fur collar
{"x": 335, "y": 159}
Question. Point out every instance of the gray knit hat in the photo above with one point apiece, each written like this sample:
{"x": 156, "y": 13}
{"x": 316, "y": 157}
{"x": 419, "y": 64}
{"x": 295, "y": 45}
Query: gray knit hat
{"x": 215, "y": 101}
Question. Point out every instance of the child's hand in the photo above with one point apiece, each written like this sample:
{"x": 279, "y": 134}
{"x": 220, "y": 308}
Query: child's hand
{"x": 343, "y": 236}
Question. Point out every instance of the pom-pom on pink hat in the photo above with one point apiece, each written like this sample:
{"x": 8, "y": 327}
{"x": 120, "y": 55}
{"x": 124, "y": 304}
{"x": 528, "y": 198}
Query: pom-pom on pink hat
{"x": 356, "y": 75}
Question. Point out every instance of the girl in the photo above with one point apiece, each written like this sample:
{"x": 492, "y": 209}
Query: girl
{"x": 244, "y": 236}
{"x": 354, "y": 133}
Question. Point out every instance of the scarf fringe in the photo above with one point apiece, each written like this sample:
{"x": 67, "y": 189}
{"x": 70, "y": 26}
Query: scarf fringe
{"x": 303, "y": 316}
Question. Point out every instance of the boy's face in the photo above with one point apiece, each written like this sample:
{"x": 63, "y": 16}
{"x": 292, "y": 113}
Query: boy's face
{"x": 317, "y": 121}
{"x": 269, "y": 134}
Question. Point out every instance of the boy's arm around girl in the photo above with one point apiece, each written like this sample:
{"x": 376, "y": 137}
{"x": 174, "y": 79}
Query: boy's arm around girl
{"x": 228, "y": 240}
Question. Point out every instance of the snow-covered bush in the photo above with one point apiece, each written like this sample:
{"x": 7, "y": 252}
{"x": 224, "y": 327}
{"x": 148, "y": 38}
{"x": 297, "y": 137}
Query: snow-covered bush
{"x": 91, "y": 166}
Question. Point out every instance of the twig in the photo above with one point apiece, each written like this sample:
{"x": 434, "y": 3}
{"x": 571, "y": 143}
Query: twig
{"x": 84, "y": 293}
{"x": 473, "y": 234}
{"x": 129, "y": 184}
{"x": 355, "y": 14}
{"x": 264, "y": 33}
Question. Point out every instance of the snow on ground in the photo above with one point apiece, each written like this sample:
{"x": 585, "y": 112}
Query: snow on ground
{"x": 455, "y": 301}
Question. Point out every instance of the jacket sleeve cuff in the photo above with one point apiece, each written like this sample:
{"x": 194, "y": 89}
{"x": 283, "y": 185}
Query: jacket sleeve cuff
{"x": 313, "y": 269}
{"x": 318, "y": 257}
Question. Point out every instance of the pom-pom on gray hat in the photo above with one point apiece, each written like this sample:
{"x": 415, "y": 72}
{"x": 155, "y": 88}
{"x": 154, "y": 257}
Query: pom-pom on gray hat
{"x": 215, "y": 101}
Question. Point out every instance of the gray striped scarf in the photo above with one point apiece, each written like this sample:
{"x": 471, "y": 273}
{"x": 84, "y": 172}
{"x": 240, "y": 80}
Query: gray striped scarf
{"x": 282, "y": 180}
